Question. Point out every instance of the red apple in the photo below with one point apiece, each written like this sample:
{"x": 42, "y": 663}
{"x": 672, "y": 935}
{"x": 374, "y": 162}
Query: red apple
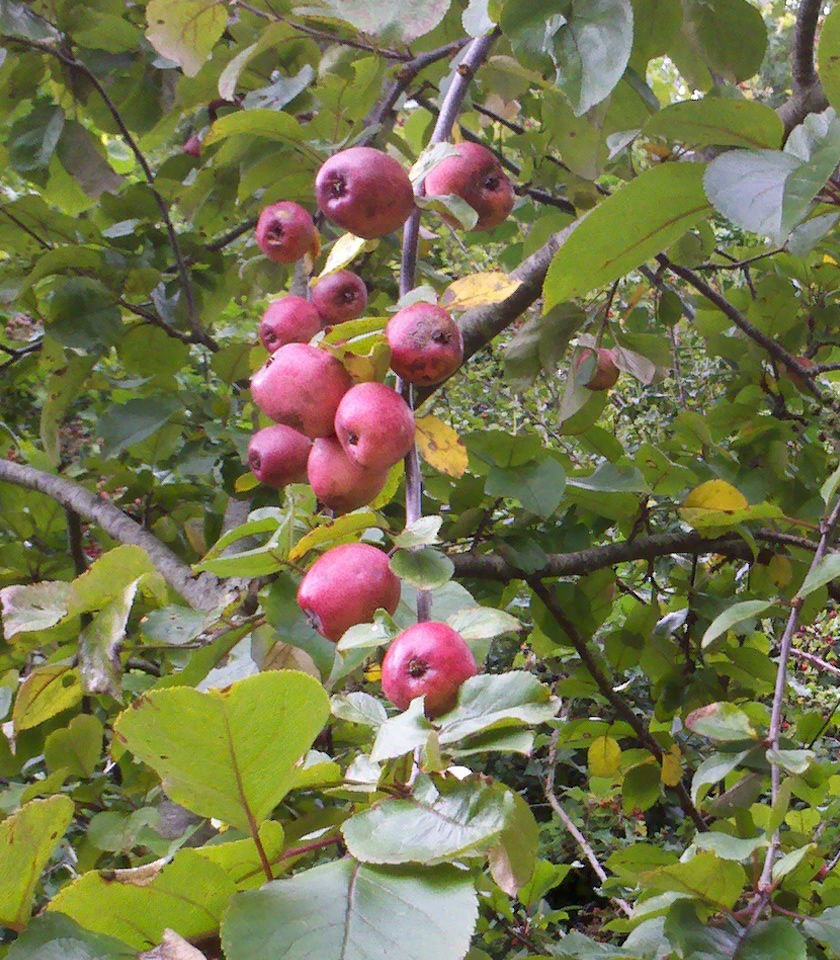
{"x": 285, "y": 232}
{"x": 277, "y": 455}
{"x": 374, "y": 425}
{"x": 606, "y": 372}
{"x": 365, "y": 191}
{"x": 339, "y": 297}
{"x": 301, "y": 386}
{"x": 346, "y": 586}
{"x": 429, "y": 659}
{"x": 288, "y": 320}
{"x": 192, "y": 146}
{"x": 339, "y": 483}
{"x": 476, "y": 176}
{"x": 426, "y": 344}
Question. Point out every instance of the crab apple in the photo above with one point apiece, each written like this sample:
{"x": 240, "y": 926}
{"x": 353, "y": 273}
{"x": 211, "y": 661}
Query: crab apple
{"x": 339, "y": 297}
{"x": 374, "y": 425}
{"x": 336, "y": 481}
{"x": 301, "y": 386}
{"x": 192, "y": 146}
{"x": 476, "y": 176}
{"x": 426, "y": 344}
{"x": 277, "y": 455}
{"x": 345, "y": 586}
{"x": 285, "y": 232}
{"x": 606, "y": 372}
{"x": 288, "y": 320}
{"x": 365, "y": 191}
{"x": 428, "y": 659}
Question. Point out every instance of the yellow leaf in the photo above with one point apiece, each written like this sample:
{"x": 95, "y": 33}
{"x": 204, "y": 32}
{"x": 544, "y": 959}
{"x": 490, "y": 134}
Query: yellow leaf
{"x": 604, "y": 757}
{"x": 373, "y": 674}
{"x": 780, "y": 570}
{"x": 671, "y": 767}
{"x": 716, "y": 495}
{"x": 344, "y": 251}
{"x": 341, "y": 529}
{"x": 245, "y": 482}
{"x": 478, "y": 290}
{"x": 441, "y": 447}
{"x": 827, "y": 258}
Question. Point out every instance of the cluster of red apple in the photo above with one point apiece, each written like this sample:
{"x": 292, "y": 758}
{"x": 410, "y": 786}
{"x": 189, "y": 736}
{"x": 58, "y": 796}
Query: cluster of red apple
{"x": 344, "y": 437}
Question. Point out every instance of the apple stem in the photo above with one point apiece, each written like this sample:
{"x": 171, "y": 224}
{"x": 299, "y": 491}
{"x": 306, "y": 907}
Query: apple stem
{"x": 462, "y": 73}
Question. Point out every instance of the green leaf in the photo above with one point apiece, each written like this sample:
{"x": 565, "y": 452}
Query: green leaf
{"x": 829, "y": 488}
{"x": 271, "y": 124}
{"x": 423, "y": 531}
{"x": 641, "y": 787}
{"x": 512, "y": 860}
{"x": 635, "y": 223}
{"x": 136, "y": 906}
{"x": 608, "y": 478}
{"x": 721, "y": 721}
{"x": 729, "y": 36}
{"x": 794, "y": 761}
{"x": 828, "y": 59}
{"x": 124, "y": 424}
{"x": 77, "y": 747}
{"x": 84, "y": 315}
{"x": 62, "y": 390}
{"x": 825, "y": 928}
{"x": 27, "y": 841}
{"x": 713, "y": 769}
{"x": 46, "y": 692}
{"x": 718, "y": 121}
{"x": 482, "y": 623}
{"x": 424, "y": 569}
{"x": 603, "y": 757}
{"x": 432, "y": 826}
{"x": 402, "y": 734}
{"x": 227, "y": 753}
{"x": 737, "y": 613}
{"x": 537, "y": 486}
{"x": 83, "y": 157}
{"x": 824, "y": 572}
{"x": 358, "y": 707}
{"x": 391, "y": 21}
{"x": 775, "y": 939}
{"x": 99, "y": 642}
{"x": 52, "y": 936}
{"x": 497, "y": 700}
{"x": 349, "y": 911}
{"x": 703, "y": 877}
{"x": 185, "y": 31}
{"x": 240, "y": 859}
{"x": 32, "y": 141}
{"x": 34, "y": 606}
{"x": 728, "y": 847}
{"x": 791, "y": 860}
{"x": 17, "y": 20}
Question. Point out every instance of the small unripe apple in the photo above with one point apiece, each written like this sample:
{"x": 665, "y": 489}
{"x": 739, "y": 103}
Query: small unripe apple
{"x": 426, "y": 344}
{"x": 606, "y": 372}
{"x": 346, "y": 586}
{"x": 429, "y": 659}
{"x": 374, "y": 425}
{"x": 365, "y": 191}
{"x": 476, "y": 176}
{"x": 339, "y": 483}
{"x": 301, "y": 386}
{"x": 277, "y": 455}
{"x": 285, "y": 232}
{"x": 288, "y": 320}
{"x": 339, "y": 297}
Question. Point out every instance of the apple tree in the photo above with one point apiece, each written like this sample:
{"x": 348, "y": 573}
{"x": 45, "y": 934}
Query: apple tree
{"x": 620, "y": 498}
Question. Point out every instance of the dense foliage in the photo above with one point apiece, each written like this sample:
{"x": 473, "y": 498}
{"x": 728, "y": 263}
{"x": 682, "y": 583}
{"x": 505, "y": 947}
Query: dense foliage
{"x": 645, "y": 767}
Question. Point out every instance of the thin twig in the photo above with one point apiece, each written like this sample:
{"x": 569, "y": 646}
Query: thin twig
{"x": 571, "y": 826}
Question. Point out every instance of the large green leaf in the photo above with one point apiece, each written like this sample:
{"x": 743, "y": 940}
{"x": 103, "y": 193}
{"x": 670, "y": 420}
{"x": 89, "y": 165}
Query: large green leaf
{"x": 52, "y": 936}
{"x": 227, "y": 753}
{"x": 635, "y": 223}
{"x": 769, "y": 191}
{"x": 727, "y": 36}
{"x": 136, "y": 906}
{"x": 350, "y": 911}
{"x": 84, "y": 315}
{"x": 27, "y": 841}
{"x": 394, "y": 21}
{"x": 703, "y": 877}
{"x": 828, "y": 59}
{"x": 271, "y": 124}
{"x": 734, "y": 614}
{"x": 124, "y": 424}
{"x": 45, "y": 693}
{"x": 718, "y": 121}
{"x": 185, "y": 30}
{"x": 538, "y": 486}
{"x": 437, "y": 823}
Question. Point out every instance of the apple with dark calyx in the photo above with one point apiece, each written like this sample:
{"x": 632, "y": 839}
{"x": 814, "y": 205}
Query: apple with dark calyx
{"x": 606, "y": 372}
{"x": 365, "y": 191}
{"x": 339, "y": 297}
{"x": 339, "y": 483}
{"x": 429, "y": 659}
{"x": 192, "y": 146}
{"x": 795, "y": 378}
{"x": 374, "y": 425}
{"x": 277, "y": 455}
{"x": 285, "y": 232}
{"x": 345, "y": 586}
{"x": 301, "y": 386}
{"x": 288, "y": 320}
{"x": 426, "y": 344}
{"x": 475, "y": 175}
